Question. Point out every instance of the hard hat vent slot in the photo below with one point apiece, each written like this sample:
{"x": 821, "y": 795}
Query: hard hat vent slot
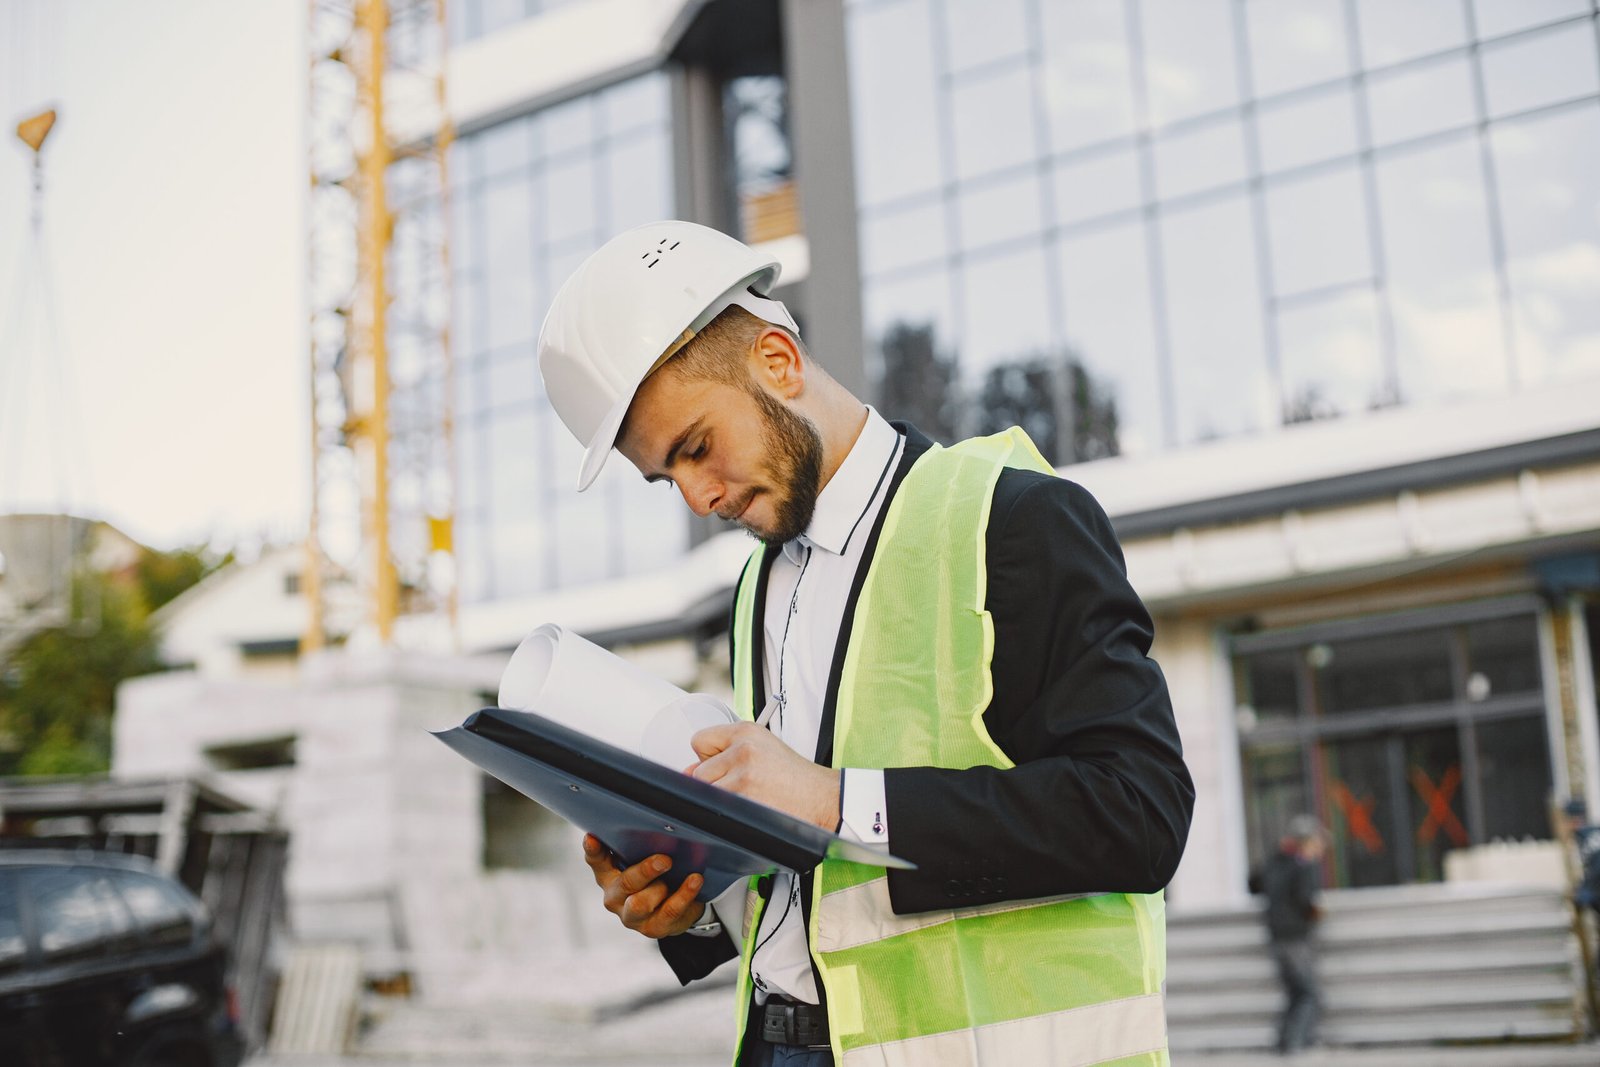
{"x": 658, "y": 252}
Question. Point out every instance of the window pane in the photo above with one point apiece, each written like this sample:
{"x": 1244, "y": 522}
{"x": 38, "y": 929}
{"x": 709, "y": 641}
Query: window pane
{"x": 1189, "y": 58}
{"x": 1362, "y": 812}
{"x": 515, "y": 474}
{"x": 1502, "y": 658}
{"x": 639, "y": 103}
{"x": 508, "y": 268}
{"x": 1391, "y": 32}
{"x": 911, "y": 326}
{"x": 75, "y": 912}
{"x": 1088, "y": 187}
{"x": 12, "y": 945}
{"x": 1420, "y": 100}
{"x": 569, "y": 202}
{"x": 1004, "y": 310}
{"x": 582, "y": 541}
{"x": 519, "y": 555}
{"x": 163, "y": 917}
{"x": 892, "y": 238}
{"x": 894, "y": 106}
{"x": 1275, "y": 792}
{"x": 1436, "y": 799}
{"x": 983, "y": 31}
{"x": 1541, "y": 69}
{"x": 1106, "y": 279}
{"x": 654, "y": 529}
{"x": 1384, "y": 672}
{"x": 1088, "y": 94}
{"x": 472, "y": 560}
{"x": 1545, "y": 167}
{"x": 1448, "y": 331}
{"x": 1514, "y": 767}
{"x": 1203, "y": 158}
{"x": 1318, "y": 227}
{"x": 1332, "y": 357}
{"x": 513, "y": 377}
{"x": 992, "y": 122}
{"x": 638, "y": 181}
{"x": 1269, "y": 686}
{"x": 1215, "y": 322}
{"x": 498, "y": 14}
{"x": 1306, "y": 129}
{"x": 999, "y": 211}
{"x": 566, "y": 127}
{"x": 507, "y": 147}
{"x": 1294, "y": 43}
{"x": 1495, "y": 17}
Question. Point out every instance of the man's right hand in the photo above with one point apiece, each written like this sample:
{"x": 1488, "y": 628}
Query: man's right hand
{"x": 639, "y": 897}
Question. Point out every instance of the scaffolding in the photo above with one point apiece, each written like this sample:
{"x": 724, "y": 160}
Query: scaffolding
{"x": 382, "y": 504}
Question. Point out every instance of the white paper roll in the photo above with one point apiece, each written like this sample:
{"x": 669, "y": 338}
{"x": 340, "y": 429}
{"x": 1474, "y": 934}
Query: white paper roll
{"x": 562, "y": 676}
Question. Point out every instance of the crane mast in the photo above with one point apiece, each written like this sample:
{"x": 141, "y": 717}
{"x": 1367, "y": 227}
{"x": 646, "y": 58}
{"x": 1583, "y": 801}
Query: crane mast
{"x": 382, "y": 502}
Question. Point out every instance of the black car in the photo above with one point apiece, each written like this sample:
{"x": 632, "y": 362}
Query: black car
{"x": 105, "y": 961}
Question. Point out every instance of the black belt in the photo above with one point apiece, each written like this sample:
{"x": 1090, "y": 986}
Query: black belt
{"x": 788, "y": 1022}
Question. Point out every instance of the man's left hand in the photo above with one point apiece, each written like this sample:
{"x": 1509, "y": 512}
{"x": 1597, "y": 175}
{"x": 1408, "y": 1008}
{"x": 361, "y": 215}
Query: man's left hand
{"x": 749, "y": 760}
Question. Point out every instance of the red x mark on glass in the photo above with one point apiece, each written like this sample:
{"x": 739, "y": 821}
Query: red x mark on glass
{"x": 1438, "y": 798}
{"x": 1358, "y": 817}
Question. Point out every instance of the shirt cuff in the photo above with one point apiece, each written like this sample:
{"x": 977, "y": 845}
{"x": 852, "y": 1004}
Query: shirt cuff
{"x": 865, "y": 815}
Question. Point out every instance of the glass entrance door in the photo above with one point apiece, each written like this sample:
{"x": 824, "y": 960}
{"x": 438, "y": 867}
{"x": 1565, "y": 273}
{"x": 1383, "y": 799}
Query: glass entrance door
{"x": 1394, "y": 804}
{"x": 1409, "y": 739}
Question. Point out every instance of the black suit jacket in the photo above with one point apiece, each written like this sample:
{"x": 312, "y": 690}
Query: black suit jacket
{"x": 1099, "y": 799}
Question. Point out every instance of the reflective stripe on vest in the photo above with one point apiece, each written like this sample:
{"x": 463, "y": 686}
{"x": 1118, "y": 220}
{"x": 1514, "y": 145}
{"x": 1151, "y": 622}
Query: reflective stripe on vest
{"x": 1063, "y": 980}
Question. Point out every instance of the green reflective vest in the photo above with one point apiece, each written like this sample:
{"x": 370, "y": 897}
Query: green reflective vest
{"x": 1062, "y": 980}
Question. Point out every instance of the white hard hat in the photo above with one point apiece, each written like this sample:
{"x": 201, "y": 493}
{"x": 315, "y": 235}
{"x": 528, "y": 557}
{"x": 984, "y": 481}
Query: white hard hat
{"x": 631, "y": 304}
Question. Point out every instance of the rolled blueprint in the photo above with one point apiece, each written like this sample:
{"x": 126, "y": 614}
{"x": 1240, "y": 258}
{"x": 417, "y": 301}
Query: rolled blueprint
{"x": 559, "y": 675}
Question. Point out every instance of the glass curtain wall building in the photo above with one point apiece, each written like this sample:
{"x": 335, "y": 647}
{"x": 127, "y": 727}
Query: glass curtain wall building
{"x": 1147, "y": 231}
{"x": 532, "y": 197}
{"x": 1225, "y": 217}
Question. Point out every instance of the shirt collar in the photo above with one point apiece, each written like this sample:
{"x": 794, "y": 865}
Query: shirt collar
{"x": 850, "y": 492}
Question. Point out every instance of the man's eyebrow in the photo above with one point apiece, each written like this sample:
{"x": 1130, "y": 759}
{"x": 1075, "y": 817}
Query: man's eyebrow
{"x": 677, "y": 446}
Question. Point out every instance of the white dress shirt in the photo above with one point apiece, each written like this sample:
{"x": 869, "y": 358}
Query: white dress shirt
{"x": 807, "y": 589}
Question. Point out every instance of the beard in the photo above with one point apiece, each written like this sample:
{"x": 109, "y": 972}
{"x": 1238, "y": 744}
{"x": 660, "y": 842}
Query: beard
{"x": 795, "y": 468}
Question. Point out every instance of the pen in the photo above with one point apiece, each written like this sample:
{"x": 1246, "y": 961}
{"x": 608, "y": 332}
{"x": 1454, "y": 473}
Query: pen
{"x": 773, "y": 704}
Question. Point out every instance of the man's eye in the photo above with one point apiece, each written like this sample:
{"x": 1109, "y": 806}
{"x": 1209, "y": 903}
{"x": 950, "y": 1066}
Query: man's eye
{"x": 699, "y": 451}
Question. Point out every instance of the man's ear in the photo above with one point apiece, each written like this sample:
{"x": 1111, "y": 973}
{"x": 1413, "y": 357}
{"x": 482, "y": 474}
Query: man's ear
{"x": 780, "y": 363}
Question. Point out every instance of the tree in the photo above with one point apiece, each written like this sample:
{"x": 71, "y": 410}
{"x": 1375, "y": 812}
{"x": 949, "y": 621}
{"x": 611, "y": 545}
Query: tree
{"x": 58, "y": 689}
{"x": 919, "y": 382}
{"x": 1070, "y": 416}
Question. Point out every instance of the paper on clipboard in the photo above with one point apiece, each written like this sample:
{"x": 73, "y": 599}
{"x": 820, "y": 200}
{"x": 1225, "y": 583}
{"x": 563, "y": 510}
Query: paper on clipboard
{"x": 569, "y": 680}
{"x": 593, "y": 738}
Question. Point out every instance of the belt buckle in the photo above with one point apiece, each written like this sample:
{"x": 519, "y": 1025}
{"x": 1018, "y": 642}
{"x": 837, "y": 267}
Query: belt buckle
{"x": 791, "y": 1028}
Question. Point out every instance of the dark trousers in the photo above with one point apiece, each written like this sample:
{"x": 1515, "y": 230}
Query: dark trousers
{"x": 1297, "y": 972}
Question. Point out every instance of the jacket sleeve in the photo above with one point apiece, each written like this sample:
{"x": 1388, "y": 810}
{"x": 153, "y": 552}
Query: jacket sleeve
{"x": 1099, "y": 799}
{"x": 695, "y": 957}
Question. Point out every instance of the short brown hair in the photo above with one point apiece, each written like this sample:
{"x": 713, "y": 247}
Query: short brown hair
{"x": 718, "y": 352}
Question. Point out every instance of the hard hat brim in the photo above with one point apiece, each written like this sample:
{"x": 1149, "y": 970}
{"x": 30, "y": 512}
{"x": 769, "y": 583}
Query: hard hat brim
{"x": 605, "y": 438}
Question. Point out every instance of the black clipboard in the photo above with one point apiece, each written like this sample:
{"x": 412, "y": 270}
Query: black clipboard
{"x": 639, "y": 807}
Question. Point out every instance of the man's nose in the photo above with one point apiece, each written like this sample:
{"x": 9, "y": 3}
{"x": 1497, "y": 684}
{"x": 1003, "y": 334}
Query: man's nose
{"x": 701, "y": 494}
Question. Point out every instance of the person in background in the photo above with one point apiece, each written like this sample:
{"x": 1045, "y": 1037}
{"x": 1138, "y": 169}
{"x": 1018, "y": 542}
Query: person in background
{"x": 1290, "y": 881}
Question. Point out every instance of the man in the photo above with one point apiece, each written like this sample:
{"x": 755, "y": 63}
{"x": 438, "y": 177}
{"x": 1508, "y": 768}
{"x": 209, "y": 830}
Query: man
{"x": 1290, "y": 881}
{"x": 945, "y": 659}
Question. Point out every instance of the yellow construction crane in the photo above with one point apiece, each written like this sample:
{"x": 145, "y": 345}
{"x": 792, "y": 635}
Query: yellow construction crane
{"x": 382, "y": 505}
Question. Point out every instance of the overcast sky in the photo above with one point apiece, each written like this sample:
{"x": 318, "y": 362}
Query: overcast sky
{"x": 174, "y": 186}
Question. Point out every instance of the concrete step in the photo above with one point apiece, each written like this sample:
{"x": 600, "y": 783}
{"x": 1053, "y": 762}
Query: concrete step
{"x": 1403, "y": 964}
{"x": 1509, "y": 958}
{"x": 1541, "y": 993}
